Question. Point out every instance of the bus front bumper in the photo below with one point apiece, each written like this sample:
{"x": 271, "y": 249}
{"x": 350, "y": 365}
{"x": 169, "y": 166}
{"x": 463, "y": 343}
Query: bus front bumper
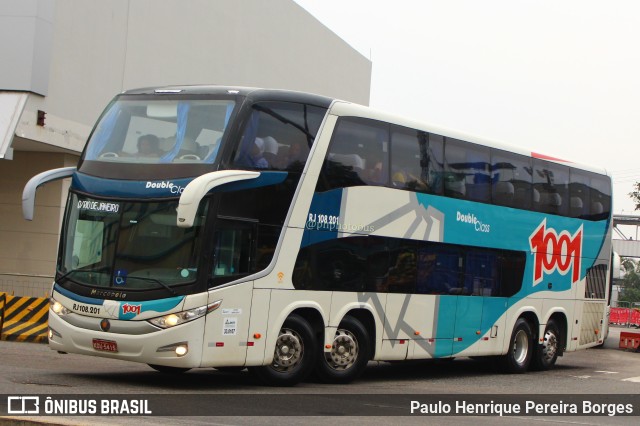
{"x": 179, "y": 346}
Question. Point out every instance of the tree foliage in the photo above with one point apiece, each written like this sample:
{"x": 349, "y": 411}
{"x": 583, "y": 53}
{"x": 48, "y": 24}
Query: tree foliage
{"x": 630, "y": 291}
{"x": 635, "y": 195}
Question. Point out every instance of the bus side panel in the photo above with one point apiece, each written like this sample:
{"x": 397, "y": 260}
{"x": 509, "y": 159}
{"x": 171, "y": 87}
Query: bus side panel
{"x": 226, "y": 329}
{"x": 283, "y": 303}
{"x": 258, "y": 325}
{"x": 426, "y": 322}
{"x": 517, "y": 308}
{"x": 552, "y": 306}
{"x": 591, "y": 324}
{"x": 344, "y": 302}
{"x": 494, "y": 322}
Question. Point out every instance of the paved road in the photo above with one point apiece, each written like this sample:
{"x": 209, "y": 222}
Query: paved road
{"x": 34, "y": 369}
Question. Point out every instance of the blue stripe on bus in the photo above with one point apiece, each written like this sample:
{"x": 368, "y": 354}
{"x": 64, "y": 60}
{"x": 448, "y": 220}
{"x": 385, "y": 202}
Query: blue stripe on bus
{"x": 162, "y": 188}
{"x": 136, "y": 308}
{"x": 76, "y": 297}
{"x": 324, "y": 205}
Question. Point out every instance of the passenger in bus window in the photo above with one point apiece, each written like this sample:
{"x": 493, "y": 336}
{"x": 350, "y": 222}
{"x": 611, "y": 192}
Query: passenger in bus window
{"x": 256, "y": 158}
{"x": 149, "y": 146}
{"x": 296, "y": 156}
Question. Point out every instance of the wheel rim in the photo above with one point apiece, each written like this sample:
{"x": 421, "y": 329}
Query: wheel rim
{"x": 520, "y": 347}
{"x": 344, "y": 351}
{"x": 550, "y": 346}
{"x": 288, "y": 352}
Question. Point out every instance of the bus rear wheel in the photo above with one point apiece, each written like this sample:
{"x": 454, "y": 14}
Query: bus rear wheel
{"x": 546, "y": 353}
{"x": 294, "y": 355}
{"x": 349, "y": 353}
{"x": 518, "y": 357}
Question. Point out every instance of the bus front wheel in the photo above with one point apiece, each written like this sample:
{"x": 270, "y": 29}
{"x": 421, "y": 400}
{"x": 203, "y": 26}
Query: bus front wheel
{"x": 349, "y": 353}
{"x": 518, "y": 357}
{"x": 294, "y": 355}
{"x": 547, "y": 352}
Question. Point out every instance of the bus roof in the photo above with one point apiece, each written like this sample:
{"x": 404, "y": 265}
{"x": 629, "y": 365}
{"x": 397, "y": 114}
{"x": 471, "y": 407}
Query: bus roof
{"x": 340, "y": 107}
{"x": 253, "y": 93}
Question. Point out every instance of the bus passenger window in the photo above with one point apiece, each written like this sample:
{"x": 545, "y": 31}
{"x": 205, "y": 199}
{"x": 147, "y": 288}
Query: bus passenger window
{"x": 284, "y": 132}
{"x": 600, "y": 196}
{"x": 358, "y": 155}
{"x": 467, "y": 171}
{"x": 410, "y": 159}
{"x": 511, "y": 179}
{"x": 551, "y": 181}
{"x": 579, "y": 200}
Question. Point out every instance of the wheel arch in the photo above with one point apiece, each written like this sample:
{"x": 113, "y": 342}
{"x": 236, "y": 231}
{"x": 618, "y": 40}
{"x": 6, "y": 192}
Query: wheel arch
{"x": 560, "y": 319}
{"x": 365, "y": 316}
{"x": 531, "y": 316}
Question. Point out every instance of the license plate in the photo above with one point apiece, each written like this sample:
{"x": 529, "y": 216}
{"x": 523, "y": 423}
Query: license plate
{"x": 105, "y": 345}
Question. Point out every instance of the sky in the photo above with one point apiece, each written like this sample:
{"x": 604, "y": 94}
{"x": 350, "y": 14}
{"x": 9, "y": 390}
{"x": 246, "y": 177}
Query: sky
{"x": 561, "y": 78}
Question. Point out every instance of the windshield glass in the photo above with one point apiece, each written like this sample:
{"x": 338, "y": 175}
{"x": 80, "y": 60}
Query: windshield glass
{"x": 159, "y": 131}
{"x": 128, "y": 246}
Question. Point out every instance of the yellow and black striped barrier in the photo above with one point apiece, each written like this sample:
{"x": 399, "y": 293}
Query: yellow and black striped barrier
{"x": 24, "y": 319}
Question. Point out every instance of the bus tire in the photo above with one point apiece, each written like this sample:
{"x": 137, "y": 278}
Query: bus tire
{"x": 518, "y": 357}
{"x": 169, "y": 370}
{"x": 349, "y": 354}
{"x": 546, "y": 353}
{"x": 294, "y": 355}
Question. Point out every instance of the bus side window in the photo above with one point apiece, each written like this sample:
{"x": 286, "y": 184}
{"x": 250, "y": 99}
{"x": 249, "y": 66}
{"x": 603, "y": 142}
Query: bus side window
{"x": 467, "y": 171}
{"x": 232, "y": 248}
{"x": 409, "y": 159}
{"x": 551, "y": 181}
{"x": 600, "y": 197}
{"x": 284, "y": 132}
{"x": 511, "y": 179}
{"x": 358, "y": 155}
{"x": 579, "y": 194}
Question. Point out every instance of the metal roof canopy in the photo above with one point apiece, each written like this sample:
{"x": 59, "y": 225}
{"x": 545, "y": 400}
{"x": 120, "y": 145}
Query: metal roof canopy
{"x": 11, "y": 106}
{"x": 626, "y": 247}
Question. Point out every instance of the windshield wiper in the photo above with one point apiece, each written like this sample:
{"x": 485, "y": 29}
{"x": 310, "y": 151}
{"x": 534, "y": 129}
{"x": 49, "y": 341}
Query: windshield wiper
{"x": 66, "y": 276}
{"x": 153, "y": 280}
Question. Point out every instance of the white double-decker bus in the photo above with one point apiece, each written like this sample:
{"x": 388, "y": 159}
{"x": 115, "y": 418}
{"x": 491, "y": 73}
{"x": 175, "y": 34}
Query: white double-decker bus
{"x": 288, "y": 233}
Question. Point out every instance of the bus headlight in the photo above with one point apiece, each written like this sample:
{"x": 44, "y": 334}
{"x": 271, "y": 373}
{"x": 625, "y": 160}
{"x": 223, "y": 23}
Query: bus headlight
{"x": 58, "y": 308}
{"x": 177, "y": 318}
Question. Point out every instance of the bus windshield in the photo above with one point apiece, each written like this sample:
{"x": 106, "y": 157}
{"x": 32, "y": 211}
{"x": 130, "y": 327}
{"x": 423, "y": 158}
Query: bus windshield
{"x": 128, "y": 246}
{"x": 160, "y": 131}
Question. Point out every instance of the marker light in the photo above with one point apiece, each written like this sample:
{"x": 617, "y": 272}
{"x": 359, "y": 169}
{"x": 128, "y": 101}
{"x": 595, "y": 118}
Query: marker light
{"x": 177, "y": 318}
{"x": 58, "y": 308}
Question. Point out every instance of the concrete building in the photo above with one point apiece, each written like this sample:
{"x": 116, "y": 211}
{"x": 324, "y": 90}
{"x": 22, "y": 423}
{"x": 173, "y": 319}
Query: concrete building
{"x": 61, "y": 61}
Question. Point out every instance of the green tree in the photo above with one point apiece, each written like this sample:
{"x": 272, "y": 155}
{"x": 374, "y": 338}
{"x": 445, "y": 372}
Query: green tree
{"x": 635, "y": 194}
{"x": 630, "y": 291}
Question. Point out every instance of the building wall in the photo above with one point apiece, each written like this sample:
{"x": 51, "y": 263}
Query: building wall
{"x": 103, "y": 48}
{"x": 27, "y": 25}
{"x": 100, "y": 48}
{"x": 28, "y": 249}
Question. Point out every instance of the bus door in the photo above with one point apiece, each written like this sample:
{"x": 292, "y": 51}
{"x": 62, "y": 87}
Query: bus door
{"x": 227, "y": 328}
